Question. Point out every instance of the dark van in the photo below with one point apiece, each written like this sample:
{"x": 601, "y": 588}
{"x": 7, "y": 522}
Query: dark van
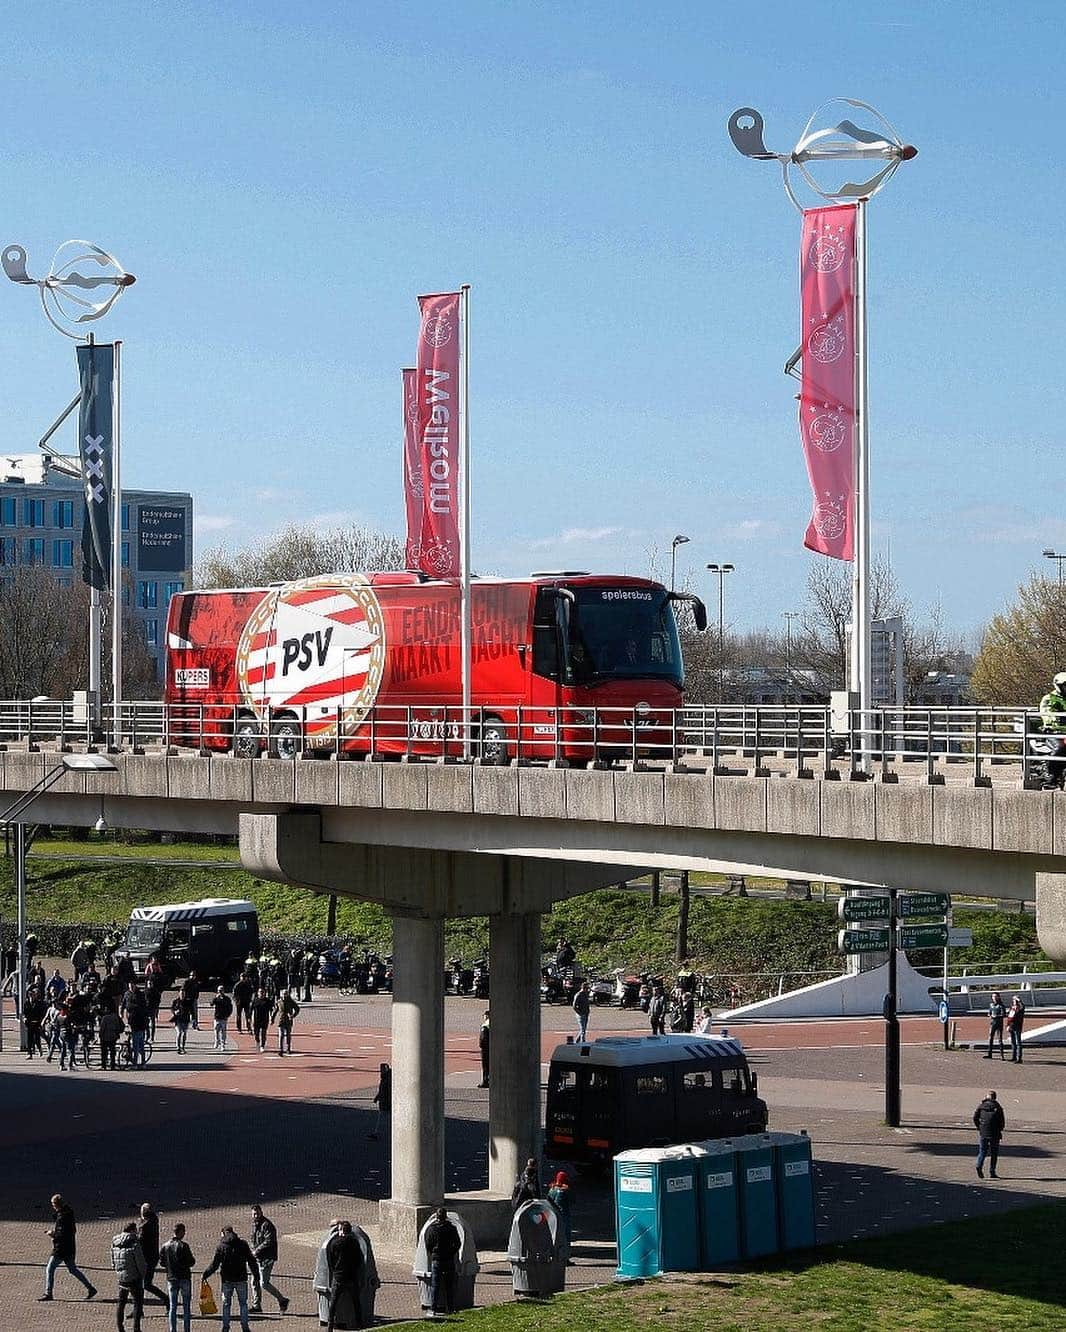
{"x": 648, "y": 1091}
{"x": 213, "y": 938}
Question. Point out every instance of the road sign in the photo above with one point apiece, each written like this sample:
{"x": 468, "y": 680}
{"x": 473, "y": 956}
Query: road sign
{"x": 942, "y": 1010}
{"x": 863, "y": 908}
{"x": 960, "y": 937}
{"x": 863, "y": 941}
{"x": 922, "y": 904}
{"x": 923, "y": 936}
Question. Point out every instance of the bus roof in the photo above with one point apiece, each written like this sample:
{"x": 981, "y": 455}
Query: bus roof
{"x": 628, "y": 1051}
{"x": 401, "y": 578}
{"x": 208, "y": 906}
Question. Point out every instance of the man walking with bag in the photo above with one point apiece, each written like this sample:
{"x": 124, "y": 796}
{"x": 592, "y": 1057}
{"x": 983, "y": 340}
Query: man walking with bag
{"x": 233, "y": 1261}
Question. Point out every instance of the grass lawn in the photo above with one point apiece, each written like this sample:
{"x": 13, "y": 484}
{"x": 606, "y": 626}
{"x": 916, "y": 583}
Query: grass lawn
{"x": 987, "y": 1274}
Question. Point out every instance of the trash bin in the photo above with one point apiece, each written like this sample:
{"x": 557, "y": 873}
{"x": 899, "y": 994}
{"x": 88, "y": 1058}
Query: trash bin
{"x": 348, "y": 1316}
{"x": 656, "y": 1210}
{"x": 719, "y": 1203}
{"x": 537, "y": 1250}
{"x": 758, "y": 1194}
{"x": 467, "y": 1266}
{"x": 795, "y": 1190}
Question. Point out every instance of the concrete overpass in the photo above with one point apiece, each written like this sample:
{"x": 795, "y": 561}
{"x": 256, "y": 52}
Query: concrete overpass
{"x": 431, "y": 840}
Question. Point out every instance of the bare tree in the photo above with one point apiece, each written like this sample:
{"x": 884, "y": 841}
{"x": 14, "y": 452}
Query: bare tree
{"x": 301, "y": 552}
{"x": 1023, "y": 647}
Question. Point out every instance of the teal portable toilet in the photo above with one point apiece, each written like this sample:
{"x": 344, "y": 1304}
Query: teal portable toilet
{"x": 656, "y": 1210}
{"x": 758, "y": 1194}
{"x": 795, "y": 1190}
{"x": 719, "y": 1203}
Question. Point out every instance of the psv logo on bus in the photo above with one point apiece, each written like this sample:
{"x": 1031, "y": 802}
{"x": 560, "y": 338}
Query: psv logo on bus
{"x": 315, "y": 647}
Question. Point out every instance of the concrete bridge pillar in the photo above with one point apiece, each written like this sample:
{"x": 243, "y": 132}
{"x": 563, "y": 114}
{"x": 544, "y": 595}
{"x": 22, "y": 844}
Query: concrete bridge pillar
{"x": 417, "y": 1077}
{"x": 1051, "y": 914}
{"x": 514, "y": 1049}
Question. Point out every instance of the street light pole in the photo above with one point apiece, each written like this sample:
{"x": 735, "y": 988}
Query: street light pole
{"x": 720, "y": 570}
{"x": 1052, "y": 555}
{"x": 677, "y": 541}
{"x": 789, "y": 617}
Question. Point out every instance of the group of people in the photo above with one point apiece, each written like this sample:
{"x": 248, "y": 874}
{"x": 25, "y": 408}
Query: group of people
{"x": 528, "y": 1188}
{"x": 137, "y": 1256}
{"x": 1013, "y": 1018}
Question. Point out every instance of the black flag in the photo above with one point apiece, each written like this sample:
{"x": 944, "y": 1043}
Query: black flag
{"x": 96, "y": 366}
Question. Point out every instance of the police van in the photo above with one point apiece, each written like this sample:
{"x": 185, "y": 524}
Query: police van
{"x": 648, "y": 1091}
{"x": 212, "y": 937}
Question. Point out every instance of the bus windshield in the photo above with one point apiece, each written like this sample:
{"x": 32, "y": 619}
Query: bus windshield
{"x": 620, "y": 633}
{"x": 144, "y": 933}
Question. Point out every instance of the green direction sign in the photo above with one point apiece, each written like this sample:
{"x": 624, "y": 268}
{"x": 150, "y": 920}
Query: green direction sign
{"x": 922, "y": 904}
{"x": 863, "y": 941}
{"x": 863, "y": 908}
{"x": 923, "y": 936}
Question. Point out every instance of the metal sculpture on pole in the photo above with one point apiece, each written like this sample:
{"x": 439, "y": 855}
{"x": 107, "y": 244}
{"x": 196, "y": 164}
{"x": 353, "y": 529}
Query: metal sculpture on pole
{"x": 825, "y": 144}
{"x": 82, "y": 284}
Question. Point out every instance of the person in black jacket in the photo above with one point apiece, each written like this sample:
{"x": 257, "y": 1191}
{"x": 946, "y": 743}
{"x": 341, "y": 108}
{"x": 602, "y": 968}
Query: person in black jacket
{"x": 233, "y": 1261}
{"x": 221, "y": 1011}
{"x": 527, "y": 1186}
{"x": 242, "y": 998}
{"x": 442, "y": 1252}
{"x": 64, "y": 1247}
{"x": 344, "y": 1259}
{"x": 262, "y": 1012}
{"x": 265, "y": 1248}
{"x": 484, "y": 1038}
{"x": 177, "y": 1261}
{"x": 990, "y": 1121}
{"x": 148, "y": 1234}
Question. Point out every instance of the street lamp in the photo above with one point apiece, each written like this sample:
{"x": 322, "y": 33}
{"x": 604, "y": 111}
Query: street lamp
{"x": 789, "y": 617}
{"x": 13, "y": 816}
{"x": 677, "y": 541}
{"x": 1052, "y": 555}
{"x": 721, "y": 570}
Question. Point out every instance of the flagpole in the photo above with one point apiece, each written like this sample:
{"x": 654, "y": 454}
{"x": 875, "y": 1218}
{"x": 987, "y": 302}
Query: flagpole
{"x": 860, "y": 601}
{"x": 96, "y": 622}
{"x": 464, "y": 513}
{"x": 116, "y": 550}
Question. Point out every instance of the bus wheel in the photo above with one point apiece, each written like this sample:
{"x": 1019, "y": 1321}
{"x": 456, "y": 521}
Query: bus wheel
{"x": 493, "y": 742}
{"x": 247, "y": 740}
{"x": 285, "y": 738}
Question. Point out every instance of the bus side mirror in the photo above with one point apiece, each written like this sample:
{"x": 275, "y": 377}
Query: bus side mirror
{"x": 699, "y": 610}
{"x": 754, "y": 1083}
{"x": 521, "y": 650}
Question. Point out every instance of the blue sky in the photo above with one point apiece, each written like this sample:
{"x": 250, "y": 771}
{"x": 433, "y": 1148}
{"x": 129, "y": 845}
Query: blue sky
{"x": 284, "y": 180}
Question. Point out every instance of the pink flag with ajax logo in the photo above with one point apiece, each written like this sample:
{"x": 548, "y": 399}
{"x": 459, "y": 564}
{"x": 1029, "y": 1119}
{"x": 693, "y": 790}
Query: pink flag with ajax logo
{"x": 827, "y": 399}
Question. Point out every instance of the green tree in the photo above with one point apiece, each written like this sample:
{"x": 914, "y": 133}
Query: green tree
{"x": 1023, "y": 647}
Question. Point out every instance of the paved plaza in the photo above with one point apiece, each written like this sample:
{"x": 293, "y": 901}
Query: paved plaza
{"x": 204, "y": 1136}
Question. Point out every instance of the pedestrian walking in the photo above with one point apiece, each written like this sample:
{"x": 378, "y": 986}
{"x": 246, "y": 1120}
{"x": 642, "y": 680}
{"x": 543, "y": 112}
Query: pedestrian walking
{"x": 190, "y": 988}
{"x": 706, "y": 1020}
{"x": 657, "y": 1011}
{"x": 288, "y": 1010}
{"x": 1015, "y": 1023}
{"x": 990, "y": 1121}
{"x": 382, "y": 1099}
{"x": 560, "y": 1197}
{"x": 233, "y": 1261}
{"x": 443, "y": 1244}
{"x": 344, "y": 1259}
{"x": 127, "y": 1258}
{"x": 134, "y": 1009}
{"x": 180, "y": 1017}
{"x": 109, "y": 1029}
{"x": 64, "y": 1237}
{"x": 221, "y": 1011}
{"x": 262, "y": 1012}
{"x": 483, "y": 1047}
{"x": 148, "y": 1234}
{"x": 264, "y": 1242}
{"x": 243, "y": 993}
{"x": 33, "y": 1014}
{"x": 527, "y": 1186}
{"x": 310, "y": 970}
{"x": 154, "y": 985}
{"x": 996, "y": 1013}
{"x": 582, "y": 1004}
{"x": 176, "y": 1259}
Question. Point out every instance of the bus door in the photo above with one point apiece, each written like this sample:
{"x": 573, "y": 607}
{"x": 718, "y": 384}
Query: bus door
{"x": 545, "y": 696}
{"x": 601, "y": 1124}
{"x": 699, "y": 1111}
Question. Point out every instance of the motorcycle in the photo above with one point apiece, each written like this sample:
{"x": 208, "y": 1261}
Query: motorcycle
{"x": 551, "y": 985}
{"x": 626, "y": 988}
{"x": 601, "y": 989}
{"x": 1044, "y": 750}
{"x": 329, "y": 970}
{"x": 481, "y": 979}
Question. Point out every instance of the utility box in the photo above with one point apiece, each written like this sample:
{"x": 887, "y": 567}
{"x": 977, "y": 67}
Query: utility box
{"x": 657, "y": 1210}
{"x": 842, "y": 702}
{"x": 758, "y": 1194}
{"x": 795, "y": 1190}
{"x": 719, "y": 1203}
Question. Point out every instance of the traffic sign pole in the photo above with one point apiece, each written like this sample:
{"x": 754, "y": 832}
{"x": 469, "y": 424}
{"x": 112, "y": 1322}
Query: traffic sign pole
{"x": 892, "y": 1087}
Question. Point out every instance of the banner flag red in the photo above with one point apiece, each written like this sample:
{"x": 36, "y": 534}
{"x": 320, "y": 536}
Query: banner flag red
{"x": 437, "y": 439}
{"x": 413, "y": 489}
{"x": 827, "y": 399}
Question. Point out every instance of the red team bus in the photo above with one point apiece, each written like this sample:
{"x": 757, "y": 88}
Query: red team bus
{"x": 361, "y": 663}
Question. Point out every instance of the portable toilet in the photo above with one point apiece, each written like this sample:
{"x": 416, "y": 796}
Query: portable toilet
{"x": 758, "y": 1194}
{"x": 719, "y": 1203}
{"x": 656, "y": 1210}
{"x": 466, "y": 1267}
{"x": 795, "y": 1190}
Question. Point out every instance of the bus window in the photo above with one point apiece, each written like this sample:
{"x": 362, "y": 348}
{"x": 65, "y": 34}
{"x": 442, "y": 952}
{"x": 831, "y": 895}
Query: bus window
{"x": 237, "y": 923}
{"x": 651, "y": 1084}
{"x": 563, "y": 1081}
{"x": 696, "y": 1082}
{"x": 737, "y": 1081}
{"x": 198, "y": 930}
{"x": 178, "y": 936}
{"x": 598, "y": 1081}
{"x": 545, "y": 642}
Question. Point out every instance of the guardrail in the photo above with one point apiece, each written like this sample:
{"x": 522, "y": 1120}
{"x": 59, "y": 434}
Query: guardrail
{"x": 803, "y": 740}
